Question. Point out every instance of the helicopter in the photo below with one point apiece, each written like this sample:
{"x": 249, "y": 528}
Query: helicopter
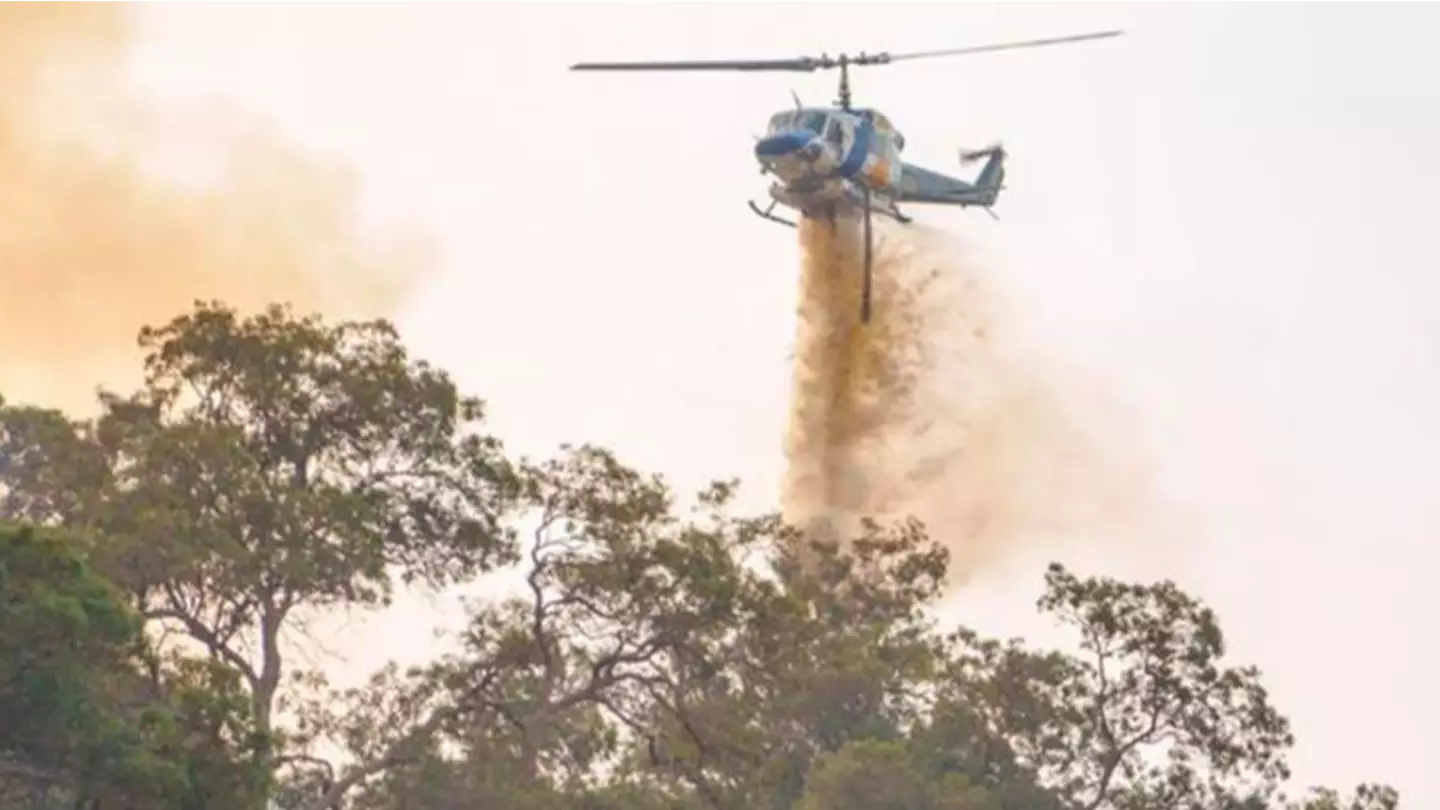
{"x": 842, "y": 159}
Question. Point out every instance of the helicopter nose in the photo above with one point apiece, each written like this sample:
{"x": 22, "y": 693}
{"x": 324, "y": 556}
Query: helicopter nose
{"x": 781, "y": 143}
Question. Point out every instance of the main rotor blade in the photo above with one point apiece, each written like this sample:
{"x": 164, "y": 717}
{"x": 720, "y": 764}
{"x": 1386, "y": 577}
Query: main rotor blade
{"x": 1004, "y": 46}
{"x": 810, "y": 64}
{"x": 803, "y": 64}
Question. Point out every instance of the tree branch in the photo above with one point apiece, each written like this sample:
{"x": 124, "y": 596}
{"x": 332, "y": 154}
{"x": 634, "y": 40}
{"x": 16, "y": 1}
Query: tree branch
{"x": 402, "y": 751}
{"x": 203, "y": 634}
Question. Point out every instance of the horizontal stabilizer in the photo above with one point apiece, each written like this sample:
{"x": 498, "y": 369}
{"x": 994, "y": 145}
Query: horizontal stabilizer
{"x": 972, "y": 155}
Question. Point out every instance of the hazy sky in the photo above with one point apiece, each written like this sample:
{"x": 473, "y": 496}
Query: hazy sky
{"x": 1218, "y": 217}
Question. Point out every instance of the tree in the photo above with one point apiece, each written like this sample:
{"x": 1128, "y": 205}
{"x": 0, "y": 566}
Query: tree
{"x": 823, "y": 649}
{"x": 616, "y": 590}
{"x": 647, "y": 644}
{"x": 654, "y": 657}
{"x": 269, "y": 467}
{"x": 701, "y": 662}
{"x": 91, "y": 715}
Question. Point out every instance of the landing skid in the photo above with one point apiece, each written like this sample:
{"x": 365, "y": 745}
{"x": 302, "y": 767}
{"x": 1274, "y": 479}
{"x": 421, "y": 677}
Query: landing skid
{"x": 893, "y": 211}
{"x": 766, "y": 214}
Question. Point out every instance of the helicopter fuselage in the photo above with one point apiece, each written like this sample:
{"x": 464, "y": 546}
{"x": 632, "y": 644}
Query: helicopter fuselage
{"x": 820, "y": 157}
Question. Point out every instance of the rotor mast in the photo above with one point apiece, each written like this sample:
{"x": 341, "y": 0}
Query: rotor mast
{"x": 844, "y": 61}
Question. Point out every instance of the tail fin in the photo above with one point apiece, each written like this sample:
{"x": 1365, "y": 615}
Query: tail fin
{"x": 992, "y": 175}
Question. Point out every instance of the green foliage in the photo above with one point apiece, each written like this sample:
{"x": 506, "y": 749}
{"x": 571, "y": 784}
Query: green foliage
{"x": 1147, "y": 716}
{"x": 887, "y": 776}
{"x": 269, "y": 466}
{"x": 1365, "y": 797}
{"x": 58, "y": 624}
{"x": 653, "y": 656}
{"x": 81, "y": 717}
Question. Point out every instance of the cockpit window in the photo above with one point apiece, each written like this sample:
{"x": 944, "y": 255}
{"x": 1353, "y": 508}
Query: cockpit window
{"x": 813, "y": 121}
{"x": 781, "y": 121}
{"x": 833, "y": 132}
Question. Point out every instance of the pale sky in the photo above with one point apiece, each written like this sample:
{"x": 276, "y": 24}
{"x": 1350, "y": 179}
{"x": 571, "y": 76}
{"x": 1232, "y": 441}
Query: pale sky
{"x": 1218, "y": 216}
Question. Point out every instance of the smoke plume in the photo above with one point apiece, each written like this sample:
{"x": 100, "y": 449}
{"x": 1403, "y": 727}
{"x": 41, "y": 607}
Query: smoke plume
{"x": 932, "y": 410}
{"x": 116, "y": 212}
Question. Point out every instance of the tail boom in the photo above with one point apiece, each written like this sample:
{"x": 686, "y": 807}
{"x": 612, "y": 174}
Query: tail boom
{"x": 922, "y": 185}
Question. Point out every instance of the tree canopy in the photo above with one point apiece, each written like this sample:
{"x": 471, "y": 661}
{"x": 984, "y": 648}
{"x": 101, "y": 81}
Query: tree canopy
{"x": 93, "y": 716}
{"x": 656, "y": 654}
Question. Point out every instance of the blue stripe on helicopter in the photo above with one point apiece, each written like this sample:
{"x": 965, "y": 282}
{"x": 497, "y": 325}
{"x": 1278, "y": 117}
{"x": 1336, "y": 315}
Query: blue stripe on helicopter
{"x": 782, "y": 143}
{"x": 858, "y": 150}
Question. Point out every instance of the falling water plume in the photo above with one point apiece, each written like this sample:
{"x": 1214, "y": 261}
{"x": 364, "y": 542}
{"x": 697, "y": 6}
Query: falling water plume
{"x": 932, "y": 411}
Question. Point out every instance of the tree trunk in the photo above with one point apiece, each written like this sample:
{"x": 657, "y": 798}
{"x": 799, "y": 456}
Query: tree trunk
{"x": 263, "y": 693}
